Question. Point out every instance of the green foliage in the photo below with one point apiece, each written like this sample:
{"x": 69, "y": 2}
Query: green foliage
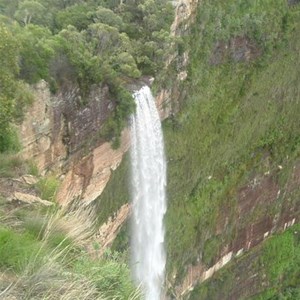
{"x": 9, "y": 69}
{"x": 110, "y": 275}
{"x": 34, "y": 224}
{"x": 60, "y": 240}
{"x": 108, "y": 17}
{"x": 86, "y": 66}
{"x": 116, "y": 193}
{"x": 23, "y": 98}
{"x": 33, "y": 168}
{"x": 9, "y": 53}
{"x": 76, "y": 15}
{"x": 122, "y": 241}
{"x": 148, "y": 22}
{"x": 281, "y": 257}
{"x": 43, "y": 256}
{"x": 46, "y": 227}
{"x": 16, "y": 250}
{"x": 84, "y": 43}
{"x": 124, "y": 64}
{"x": 14, "y": 95}
{"x": 47, "y": 187}
{"x": 9, "y": 140}
{"x": 35, "y": 54}
{"x": 8, "y": 7}
{"x": 259, "y": 20}
{"x": 289, "y": 293}
{"x": 30, "y": 11}
{"x": 13, "y": 165}
{"x": 215, "y": 288}
{"x": 210, "y": 250}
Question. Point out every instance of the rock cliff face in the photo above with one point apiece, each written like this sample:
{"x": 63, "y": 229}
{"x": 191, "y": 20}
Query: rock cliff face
{"x": 41, "y": 138}
{"x": 57, "y": 127}
{"x": 168, "y": 98}
{"x": 61, "y": 134}
{"x": 87, "y": 178}
{"x": 261, "y": 194}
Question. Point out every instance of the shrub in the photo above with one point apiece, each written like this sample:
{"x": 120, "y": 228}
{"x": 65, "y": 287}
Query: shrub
{"x": 16, "y": 250}
{"x": 76, "y": 15}
{"x": 32, "y": 168}
{"x": 110, "y": 275}
{"x": 35, "y": 53}
{"x": 47, "y": 187}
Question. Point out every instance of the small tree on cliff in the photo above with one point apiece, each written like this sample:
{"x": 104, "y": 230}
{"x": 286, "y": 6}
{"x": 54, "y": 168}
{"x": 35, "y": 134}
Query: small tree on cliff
{"x": 13, "y": 94}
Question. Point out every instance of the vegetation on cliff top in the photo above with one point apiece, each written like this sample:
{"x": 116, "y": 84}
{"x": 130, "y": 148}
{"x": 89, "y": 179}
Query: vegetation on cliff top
{"x": 82, "y": 42}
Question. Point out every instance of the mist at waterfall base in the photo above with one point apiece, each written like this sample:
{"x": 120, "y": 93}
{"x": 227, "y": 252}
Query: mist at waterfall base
{"x": 148, "y": 178}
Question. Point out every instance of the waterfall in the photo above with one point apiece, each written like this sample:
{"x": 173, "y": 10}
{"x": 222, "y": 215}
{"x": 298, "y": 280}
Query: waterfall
{"x": 149, "y": 197}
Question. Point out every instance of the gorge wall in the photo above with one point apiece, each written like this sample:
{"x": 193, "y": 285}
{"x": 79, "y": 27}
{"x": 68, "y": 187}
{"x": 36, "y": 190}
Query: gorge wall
{"x": 169, "y": 94}
{"x": 63, "y": 136}
{"x": 233, "y": 149}
{"x": 255, "y": 219}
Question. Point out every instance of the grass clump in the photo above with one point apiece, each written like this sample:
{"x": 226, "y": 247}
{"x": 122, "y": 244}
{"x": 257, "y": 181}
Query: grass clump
{"x": 37, "y": 225}
{"x": 281, "y": 256}
{"x": 280, "y": 260}
{"x": 47, "y": 187}
{"x": 110, "y": 275}
{"x": 44, "y": 256}
{"x": 17, "y": 250}
{"x": 11, "y": 165}
{"x": 210, "y": 250}
{"x": 32, "y": 168}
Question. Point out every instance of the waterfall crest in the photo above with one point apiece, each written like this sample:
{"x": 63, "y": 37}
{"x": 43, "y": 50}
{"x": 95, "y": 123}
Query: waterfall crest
{"x": 149, "y": 197}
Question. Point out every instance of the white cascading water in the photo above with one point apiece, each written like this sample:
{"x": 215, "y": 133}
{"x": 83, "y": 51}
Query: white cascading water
{"x": 149, "y": 196}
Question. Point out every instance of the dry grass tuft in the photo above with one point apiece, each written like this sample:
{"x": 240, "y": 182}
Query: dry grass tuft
{"x": 60, "y": 269}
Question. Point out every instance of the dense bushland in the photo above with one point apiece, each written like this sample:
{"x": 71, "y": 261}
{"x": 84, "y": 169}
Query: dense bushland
{"x": 81, "y": 42}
